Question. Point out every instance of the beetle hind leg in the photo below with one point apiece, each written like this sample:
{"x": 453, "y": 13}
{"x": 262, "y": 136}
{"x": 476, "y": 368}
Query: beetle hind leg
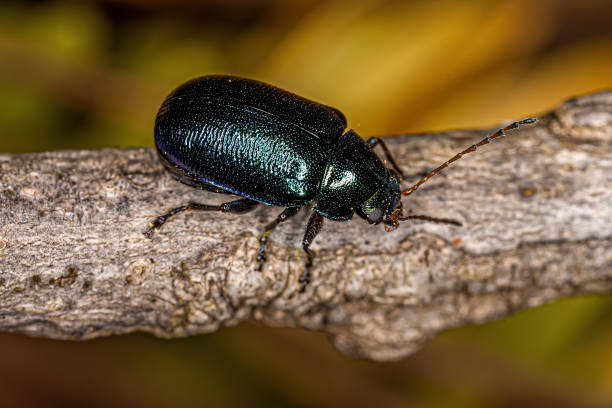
{"x": 263, "y": 239}
{"x": 237, "y": 207}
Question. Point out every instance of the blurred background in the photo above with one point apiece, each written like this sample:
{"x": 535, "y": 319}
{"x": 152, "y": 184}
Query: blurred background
{"x": 92, "y": 74}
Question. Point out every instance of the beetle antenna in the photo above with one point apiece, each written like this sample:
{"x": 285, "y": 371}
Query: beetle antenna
{"x": 501, "y": 132}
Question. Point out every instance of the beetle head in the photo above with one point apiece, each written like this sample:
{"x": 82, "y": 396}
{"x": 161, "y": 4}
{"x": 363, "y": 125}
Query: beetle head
{"x": 385, "y": 205}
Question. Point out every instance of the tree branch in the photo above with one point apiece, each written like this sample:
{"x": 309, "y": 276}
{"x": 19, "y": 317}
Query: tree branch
{"x": 535, "y": 207}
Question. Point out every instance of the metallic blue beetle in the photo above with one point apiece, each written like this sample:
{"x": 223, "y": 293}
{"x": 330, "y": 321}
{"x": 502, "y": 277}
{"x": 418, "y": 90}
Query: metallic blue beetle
{"x": 239, "y": 136}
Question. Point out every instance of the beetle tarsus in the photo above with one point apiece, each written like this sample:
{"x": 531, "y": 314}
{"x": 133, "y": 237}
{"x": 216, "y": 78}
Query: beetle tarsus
{"x": 263, "y": 239}
{"x": 304, "y": 280}
{"x": 161, "y": 220}
{"x": 315, "y": 222}
{"x": 305, "y": 276}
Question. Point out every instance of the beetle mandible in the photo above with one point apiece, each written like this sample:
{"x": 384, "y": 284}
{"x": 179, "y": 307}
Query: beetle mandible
{"x": 239, "y": 136}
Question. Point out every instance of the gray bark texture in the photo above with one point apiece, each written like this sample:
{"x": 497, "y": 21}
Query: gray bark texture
{"x": 536, "y": 209}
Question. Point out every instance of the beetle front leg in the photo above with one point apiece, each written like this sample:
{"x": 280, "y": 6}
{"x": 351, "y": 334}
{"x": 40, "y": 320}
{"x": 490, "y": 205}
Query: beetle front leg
{"x": 261, "y": 254}
{"x": 373, "y": 141}
{"x": 237, "y": 207}
{"x": 312, "y": 229}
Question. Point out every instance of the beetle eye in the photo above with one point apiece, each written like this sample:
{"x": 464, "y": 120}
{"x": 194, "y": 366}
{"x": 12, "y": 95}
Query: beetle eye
{"x": 375, "y": 216}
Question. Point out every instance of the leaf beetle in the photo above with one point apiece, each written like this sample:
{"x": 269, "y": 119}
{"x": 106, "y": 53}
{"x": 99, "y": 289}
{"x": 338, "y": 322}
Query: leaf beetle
{"x": 244, "y": 137}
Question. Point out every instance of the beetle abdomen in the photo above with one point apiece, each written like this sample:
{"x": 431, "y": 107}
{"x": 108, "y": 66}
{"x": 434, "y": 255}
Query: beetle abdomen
{"x": 242, "y": 149}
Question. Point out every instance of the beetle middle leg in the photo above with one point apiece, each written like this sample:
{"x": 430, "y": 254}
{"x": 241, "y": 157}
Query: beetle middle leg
{"x": 312, "y": 229}
{"x": 373, "y": 141}
{"x": 237, "y": 207}
{"x": 263, "y": 239}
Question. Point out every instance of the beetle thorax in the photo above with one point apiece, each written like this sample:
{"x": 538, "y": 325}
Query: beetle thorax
{"x": 354, "y": 176}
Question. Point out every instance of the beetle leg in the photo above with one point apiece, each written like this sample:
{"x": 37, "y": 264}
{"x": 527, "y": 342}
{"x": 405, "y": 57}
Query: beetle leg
{"x": 373, "y": 141}
{"x": 312, "y": 229}
{"x": 237, "y": 207}
{"x": 261, "y": 254}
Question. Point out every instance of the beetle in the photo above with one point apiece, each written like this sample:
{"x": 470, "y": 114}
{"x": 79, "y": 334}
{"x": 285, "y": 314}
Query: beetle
{"x": 244, "y": 137}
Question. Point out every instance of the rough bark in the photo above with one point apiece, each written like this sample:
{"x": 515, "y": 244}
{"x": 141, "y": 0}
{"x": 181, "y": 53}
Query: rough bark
{"x": 535, "y": 207}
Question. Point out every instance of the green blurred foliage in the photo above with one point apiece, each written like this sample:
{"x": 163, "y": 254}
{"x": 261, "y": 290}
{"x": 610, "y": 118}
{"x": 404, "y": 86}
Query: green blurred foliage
{"x": 91, "y": 74}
